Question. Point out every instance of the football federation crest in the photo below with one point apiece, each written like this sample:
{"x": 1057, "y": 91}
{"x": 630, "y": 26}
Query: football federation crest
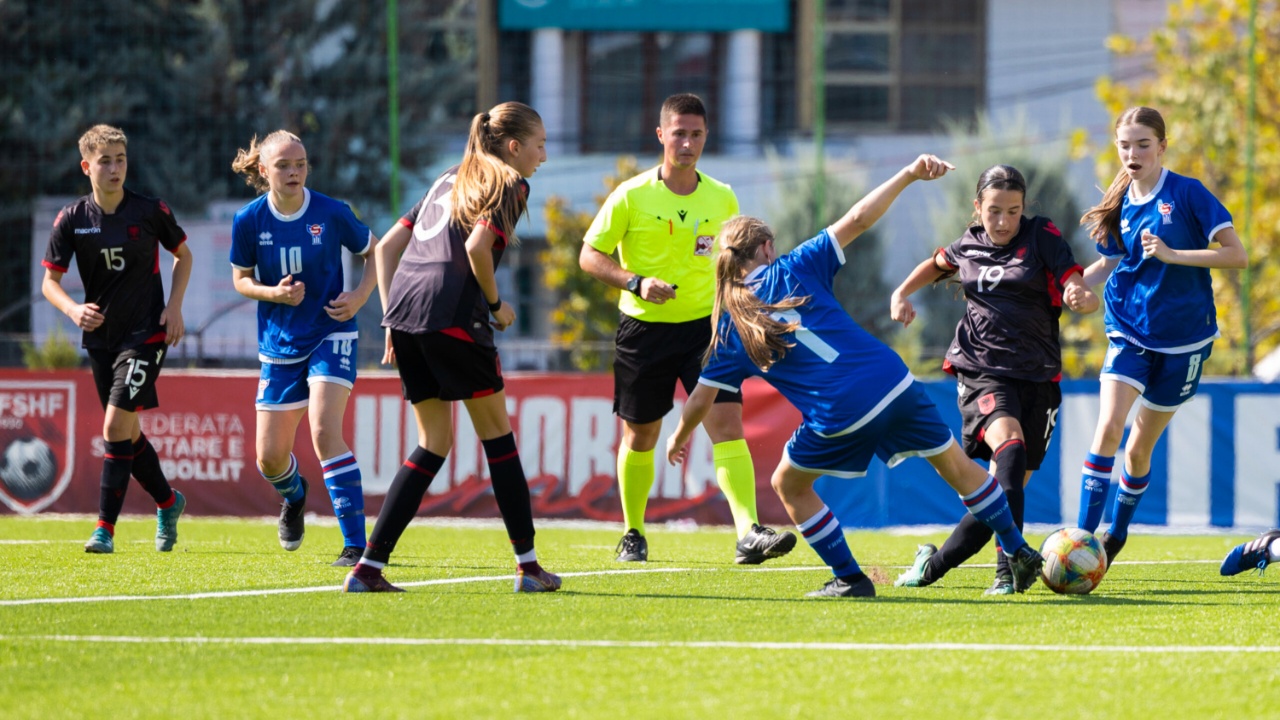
{"x": 37, "y": 439}
{"x": 987, "y": 403}
{"x": 1166, "y": 212}
{"x": 702, "y": 245}
{"x": 134, "y": 232}
{"x": 317, "y": 233}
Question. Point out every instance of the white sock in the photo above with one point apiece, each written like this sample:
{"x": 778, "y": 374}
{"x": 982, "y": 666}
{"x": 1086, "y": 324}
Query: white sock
{"x": 531, "y": 556}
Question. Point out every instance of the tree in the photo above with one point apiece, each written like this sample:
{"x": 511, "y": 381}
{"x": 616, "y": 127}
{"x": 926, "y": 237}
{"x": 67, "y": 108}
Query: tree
{"x": 858, "y": 286}
{"x": 1200, "y": 85}
{"x": 978, "y": 147}
{"x": 587, "y": 315}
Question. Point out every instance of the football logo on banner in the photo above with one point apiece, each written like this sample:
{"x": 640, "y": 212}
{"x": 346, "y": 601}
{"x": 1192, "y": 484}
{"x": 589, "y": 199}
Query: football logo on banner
{"x": 37, "y": 442}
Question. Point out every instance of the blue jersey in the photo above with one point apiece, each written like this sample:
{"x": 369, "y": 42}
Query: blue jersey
{"x": 307, "y": 245}
{"x": 837, "y": 375}
{"x": 1161, "y": 307}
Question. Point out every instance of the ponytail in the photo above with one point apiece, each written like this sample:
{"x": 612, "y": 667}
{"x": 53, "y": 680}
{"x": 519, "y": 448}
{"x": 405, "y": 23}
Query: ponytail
{"x": 740, "y": 239}
{"x": 247, "y": 161}
{"x": 486, "y": 186}
{"x": 1103, "y": 219}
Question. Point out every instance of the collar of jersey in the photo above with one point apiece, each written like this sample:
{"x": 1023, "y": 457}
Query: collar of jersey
{"x": 755, "y": 277}
{"x": 306, "y": 202}
{"x": 1164, "y": 174}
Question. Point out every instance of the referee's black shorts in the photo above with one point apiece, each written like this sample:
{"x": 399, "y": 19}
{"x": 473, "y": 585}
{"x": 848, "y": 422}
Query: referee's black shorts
{"x": 650, "y": 358}
{"x": 439, "y": 366}
{"x": 984, "y": 397}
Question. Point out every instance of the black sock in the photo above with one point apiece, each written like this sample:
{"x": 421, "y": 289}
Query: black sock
{"x": 970, "y": 534}
{"x": 147, "y": 471}
{"x": 116, "y": 466}
{"x": 1011, "y": 467}
{"x": 403, "y": 499}
{"x": 511, "y": 490}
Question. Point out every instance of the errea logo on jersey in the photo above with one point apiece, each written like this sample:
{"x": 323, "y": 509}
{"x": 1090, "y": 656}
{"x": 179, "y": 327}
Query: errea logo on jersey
{"x": 264, "y": 238}
{"x": 88, "y": 231}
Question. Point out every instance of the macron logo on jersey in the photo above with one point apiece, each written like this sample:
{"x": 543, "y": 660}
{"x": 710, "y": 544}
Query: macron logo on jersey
{"x": 88, "y": 231}
{"x": 264, "y": 238}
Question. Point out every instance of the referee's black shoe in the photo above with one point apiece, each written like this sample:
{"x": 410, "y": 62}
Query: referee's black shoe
{"x": 291, "y": 525}
{"x": 1025, "y": 564}
{"x": 633, "y": 547}
{"x": 762, "y": 543}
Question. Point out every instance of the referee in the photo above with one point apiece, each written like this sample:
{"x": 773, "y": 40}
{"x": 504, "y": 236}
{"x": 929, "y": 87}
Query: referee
{"x": 663, "y": 225}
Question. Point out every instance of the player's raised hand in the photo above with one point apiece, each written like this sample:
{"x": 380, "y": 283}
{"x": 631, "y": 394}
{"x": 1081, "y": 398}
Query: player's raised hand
{"x": 86, "y": 317}
{"x": 344, "y": 307}
{"x": 174, "y": 327}
{"x": 929, "y": 167}
{"x": 290, "y": 292}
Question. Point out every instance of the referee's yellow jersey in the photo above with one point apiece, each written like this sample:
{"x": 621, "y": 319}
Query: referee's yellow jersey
{"x": 663, "y": 235}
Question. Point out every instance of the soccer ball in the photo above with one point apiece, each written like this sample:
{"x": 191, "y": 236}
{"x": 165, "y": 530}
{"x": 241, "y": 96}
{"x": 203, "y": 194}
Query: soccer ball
{"x": 29, "y": 468}
{"x": 1074, "y": 561}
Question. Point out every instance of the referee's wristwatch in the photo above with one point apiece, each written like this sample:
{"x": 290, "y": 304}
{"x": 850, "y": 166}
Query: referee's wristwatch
{"x": 633, "y": 285}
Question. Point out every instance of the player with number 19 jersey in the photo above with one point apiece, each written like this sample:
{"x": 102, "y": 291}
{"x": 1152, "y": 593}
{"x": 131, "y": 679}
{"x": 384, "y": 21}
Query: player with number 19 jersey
{"x": 301, "y": 245}
{"x": 837, "y": 374}
{"x": 1155, "y": 305}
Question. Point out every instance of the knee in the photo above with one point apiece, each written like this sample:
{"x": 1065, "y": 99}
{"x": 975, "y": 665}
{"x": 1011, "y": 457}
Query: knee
{"x": 327, "y": 440}
{"x": 782, "y": 486}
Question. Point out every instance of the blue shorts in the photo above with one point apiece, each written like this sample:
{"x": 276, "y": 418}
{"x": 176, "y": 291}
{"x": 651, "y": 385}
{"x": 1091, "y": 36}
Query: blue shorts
{"x": 910, "y": 426}
{"x": 1165, "y": 380}
{"x": 287, "y": 386}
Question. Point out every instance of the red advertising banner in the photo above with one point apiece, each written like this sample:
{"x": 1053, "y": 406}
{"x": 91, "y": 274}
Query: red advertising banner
{"x": 51, "y": 440}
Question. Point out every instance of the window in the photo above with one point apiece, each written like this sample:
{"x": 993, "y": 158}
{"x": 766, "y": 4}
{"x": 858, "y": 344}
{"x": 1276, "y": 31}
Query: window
{"x": 627, "y": 75}
{"x": 903, "y": 65}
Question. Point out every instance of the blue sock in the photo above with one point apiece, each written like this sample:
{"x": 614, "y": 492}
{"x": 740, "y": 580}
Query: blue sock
{"x": 286, "y": 483}
{"x": 1094, "y": 483}
{"x": 990, "y": 506}
{"x": 1126, "y": 504}
{"x": 342, "y": 480}
{"x": 824, "y": 535}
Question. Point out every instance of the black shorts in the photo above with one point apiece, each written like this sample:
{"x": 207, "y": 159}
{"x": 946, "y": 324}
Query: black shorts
{"x": 437, "y": 366}
{"x": 983, "y": 398}
{"x": 127, "y": 378}
{"x": 650, "y": 358}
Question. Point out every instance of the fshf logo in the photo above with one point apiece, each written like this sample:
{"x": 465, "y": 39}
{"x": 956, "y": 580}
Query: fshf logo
{"x": 317, "y": 231}
{"x": 37, "y": 439}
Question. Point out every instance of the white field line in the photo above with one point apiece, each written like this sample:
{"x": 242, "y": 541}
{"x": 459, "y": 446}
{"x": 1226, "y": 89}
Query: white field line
{"x": 659, "y": 644}
{"x": 461, "y": 580}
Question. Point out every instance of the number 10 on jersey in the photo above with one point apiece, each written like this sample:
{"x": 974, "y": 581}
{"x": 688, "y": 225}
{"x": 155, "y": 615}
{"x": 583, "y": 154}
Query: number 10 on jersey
{"x": 290, "y": 261}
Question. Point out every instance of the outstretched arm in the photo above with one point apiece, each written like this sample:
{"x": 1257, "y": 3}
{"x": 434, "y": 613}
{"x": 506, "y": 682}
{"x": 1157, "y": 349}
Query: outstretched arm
{"x": 868, "y": 210}
{"x": 695, "y": 410}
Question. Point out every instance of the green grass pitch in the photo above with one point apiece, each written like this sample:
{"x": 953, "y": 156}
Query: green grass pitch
{"x": 236, "y": 627}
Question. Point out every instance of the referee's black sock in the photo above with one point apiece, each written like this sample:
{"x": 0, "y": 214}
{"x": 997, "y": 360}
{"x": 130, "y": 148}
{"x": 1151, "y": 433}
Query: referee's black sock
{"x": 403, "y": 499}
{"x": 511, "y": 490}
{"x": 116, "y": 465}
{"x": 148, "y": 473}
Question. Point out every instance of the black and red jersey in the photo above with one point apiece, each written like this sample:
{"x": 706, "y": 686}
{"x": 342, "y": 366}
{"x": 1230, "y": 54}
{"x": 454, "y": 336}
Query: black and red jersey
{"x": 1014, "y": 294}
{"x": 118, "y": 255}
{"x": 433, "y": 289}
